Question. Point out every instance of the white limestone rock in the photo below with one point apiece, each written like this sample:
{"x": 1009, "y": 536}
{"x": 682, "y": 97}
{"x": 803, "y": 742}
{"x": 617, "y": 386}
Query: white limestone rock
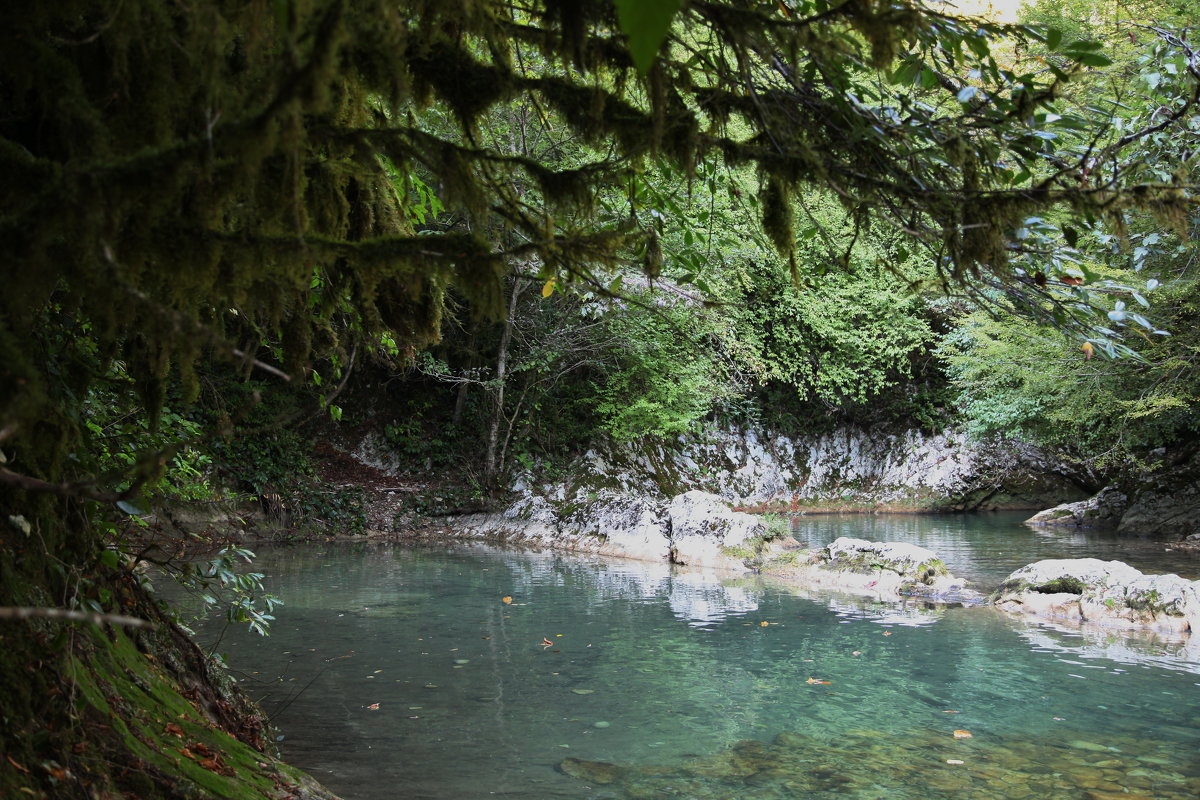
{"x": 622, "y": 525}
{"x": 1103, "y": 592}
{"x": 886, "y": 566}
{"x": 702, "y": 527}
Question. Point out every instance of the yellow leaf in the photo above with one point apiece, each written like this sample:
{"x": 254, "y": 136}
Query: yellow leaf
{"x": 548, "y": 289}
{"x": 1088, "y": 350}
{"x": 506, "y": 600}
{"x": 764, "y": 624}
{"x": 962, "y": 734}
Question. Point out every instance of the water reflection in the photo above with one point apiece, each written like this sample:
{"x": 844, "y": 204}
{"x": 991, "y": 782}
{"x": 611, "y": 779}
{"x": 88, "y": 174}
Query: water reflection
{"x": 985, "y": 548}
{"x": 1133, "y": 648}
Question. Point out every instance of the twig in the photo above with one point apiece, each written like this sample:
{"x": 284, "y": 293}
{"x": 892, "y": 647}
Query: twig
{"x": 25, "y": 612}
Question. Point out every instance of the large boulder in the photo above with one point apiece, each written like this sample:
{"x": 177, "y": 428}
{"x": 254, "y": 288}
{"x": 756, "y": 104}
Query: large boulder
{"x": 1104, "y": 592}
{"x": 1104, "y": 509}
{"x": 704, "y": 531}
{"x": 893, "y": 567}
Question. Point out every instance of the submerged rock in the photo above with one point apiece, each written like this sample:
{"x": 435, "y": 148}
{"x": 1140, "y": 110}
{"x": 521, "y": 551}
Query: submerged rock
{"x": 1104, "y": 592}
{"x": 601, "y": 772}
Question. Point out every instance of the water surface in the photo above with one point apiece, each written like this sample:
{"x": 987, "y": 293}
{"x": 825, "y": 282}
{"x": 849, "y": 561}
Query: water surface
{"x": 400, "y": 672}
{"x": 986, "y": 547}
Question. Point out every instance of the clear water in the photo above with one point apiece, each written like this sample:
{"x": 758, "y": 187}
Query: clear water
{"x": 674, "y": 678}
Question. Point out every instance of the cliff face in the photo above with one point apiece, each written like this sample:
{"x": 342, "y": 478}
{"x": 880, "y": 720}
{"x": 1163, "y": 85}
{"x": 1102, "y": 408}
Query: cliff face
{"x": 850, "y": 468}
{"x": 1164, "y": 504}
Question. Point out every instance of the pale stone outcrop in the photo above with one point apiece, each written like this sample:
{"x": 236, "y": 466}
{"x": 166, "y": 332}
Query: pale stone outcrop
{"x": 1102, "y": 592}
{"x": 703, "y": 530}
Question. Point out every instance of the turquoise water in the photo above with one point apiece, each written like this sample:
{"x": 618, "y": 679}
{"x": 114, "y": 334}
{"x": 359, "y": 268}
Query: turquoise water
{"x": 673, "y": 678}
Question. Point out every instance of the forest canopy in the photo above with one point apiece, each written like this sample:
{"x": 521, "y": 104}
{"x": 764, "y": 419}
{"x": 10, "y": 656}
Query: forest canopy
{"x": 204, "y": 179}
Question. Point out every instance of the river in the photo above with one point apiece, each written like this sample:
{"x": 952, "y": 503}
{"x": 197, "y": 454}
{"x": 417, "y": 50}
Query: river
{"x": 401, "y": 672}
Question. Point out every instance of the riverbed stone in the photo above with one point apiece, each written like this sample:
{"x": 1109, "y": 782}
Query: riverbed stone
{"x": 601, "y": 772}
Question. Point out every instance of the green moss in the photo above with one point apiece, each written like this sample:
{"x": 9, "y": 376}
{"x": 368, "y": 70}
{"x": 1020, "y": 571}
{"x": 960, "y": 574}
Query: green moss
{"x": 1064, "y": 585}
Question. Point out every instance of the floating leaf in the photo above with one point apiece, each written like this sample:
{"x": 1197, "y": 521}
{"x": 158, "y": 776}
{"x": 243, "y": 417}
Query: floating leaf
{"x": 763, "y": 624}
{"x": 546, "y": 642}
{"x": 583, "y": 691}
{"x": 955, "y": 761}
{"x": 373, "y": 707}
{"x": 506, "y": 600}
{"x": 961, "y": 734}
{"x": 815, "y": 680}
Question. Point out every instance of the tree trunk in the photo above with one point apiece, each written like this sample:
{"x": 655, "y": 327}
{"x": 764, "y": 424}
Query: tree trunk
{"x": 490, "y": 466}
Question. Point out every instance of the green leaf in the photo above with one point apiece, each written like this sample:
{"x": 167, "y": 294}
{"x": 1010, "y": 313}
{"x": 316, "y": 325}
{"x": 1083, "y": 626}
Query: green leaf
{"x": 109, "y": 558}
{"x": 645, "y": 24}
{"x": 1090, "y": 59}
{"x": 1070, "y": 234}
{"x": 1053, "y": 38}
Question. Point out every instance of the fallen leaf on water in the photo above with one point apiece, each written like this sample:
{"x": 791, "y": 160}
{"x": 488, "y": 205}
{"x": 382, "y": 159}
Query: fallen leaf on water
{"x": 962, "y": 734}
{"x": 373, "y": 707}
{"x": 887, "y": 633}
{"x": 1057, "y": 719}
{"x": 546, "y": 642}
{"x": 947, "y": 711}
{"x": 506, "y": 600}
{"x": 814, "y": 680}
{"x": 764, "y": 624}
{"x": 583, "y": 691}
{"x": 954, "y": 761}
{"x": 857, "y": 653}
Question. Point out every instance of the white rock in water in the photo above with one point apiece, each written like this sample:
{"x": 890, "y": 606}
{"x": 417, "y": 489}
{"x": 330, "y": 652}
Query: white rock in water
{"x": 899, "y": 557}
{"x": 702, "y": 526}
{"x": 1104, "y": 592}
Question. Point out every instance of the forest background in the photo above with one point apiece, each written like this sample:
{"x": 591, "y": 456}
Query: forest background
{"x": 501, "y": 233}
